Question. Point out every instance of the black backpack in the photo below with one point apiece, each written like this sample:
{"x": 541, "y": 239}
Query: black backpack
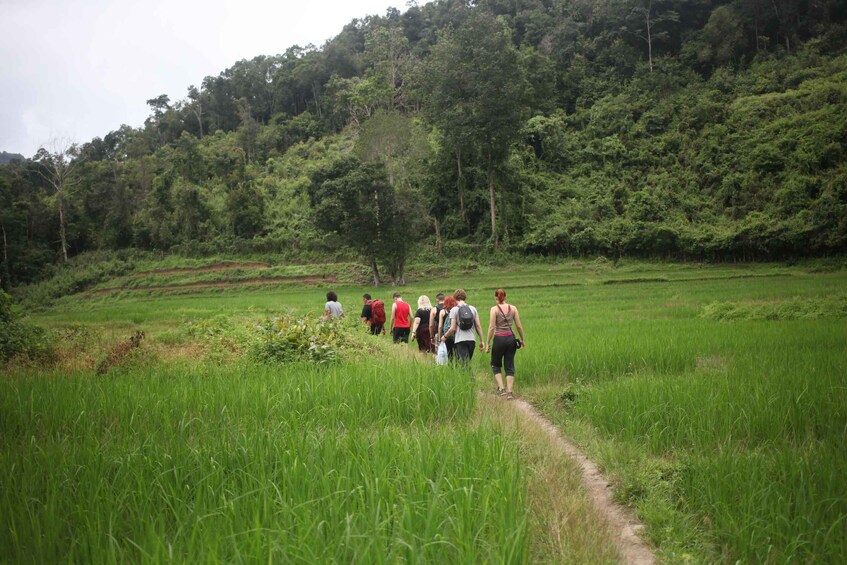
{"x": 466, "y": 317}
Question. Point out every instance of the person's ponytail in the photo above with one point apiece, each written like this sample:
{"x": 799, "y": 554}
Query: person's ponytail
{"x": 500, "y": 295}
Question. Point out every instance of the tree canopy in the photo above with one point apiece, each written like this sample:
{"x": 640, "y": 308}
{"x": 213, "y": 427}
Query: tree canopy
{"x": 696, "y": 129}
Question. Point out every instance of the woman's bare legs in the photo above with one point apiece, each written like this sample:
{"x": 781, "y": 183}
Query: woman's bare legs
{"x": 499, "y": 378}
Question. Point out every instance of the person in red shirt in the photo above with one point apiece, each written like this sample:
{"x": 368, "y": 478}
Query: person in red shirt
{"x": 400, "y": 323}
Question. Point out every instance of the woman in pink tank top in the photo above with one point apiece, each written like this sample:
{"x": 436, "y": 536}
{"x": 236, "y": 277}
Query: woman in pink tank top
{"x": 503, "y": 342}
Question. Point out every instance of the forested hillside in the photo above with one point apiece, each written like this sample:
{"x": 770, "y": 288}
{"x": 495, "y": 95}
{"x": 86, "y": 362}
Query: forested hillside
{"x": 9, "y": 157}
{"x": 693, "y": 129}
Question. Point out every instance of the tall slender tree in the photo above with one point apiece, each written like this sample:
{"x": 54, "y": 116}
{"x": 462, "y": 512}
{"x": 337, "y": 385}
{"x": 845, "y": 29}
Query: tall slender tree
{"x": 648, "y": 20}
{"x": 476, "y": 94}
{"x": 196, "y": 106}
{"x": 58, "y": 168}
{"x": 387, "y": 49}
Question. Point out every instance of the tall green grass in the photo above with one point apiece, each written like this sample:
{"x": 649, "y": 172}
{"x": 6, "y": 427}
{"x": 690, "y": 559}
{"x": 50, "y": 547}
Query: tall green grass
{"x": 739, "y": 421}
{"x": 714, "y": 394}
{"x": 352, "y": 463}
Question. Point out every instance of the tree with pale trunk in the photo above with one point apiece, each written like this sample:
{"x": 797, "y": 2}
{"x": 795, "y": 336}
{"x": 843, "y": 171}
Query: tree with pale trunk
{"x": 58, "y": 168}
{"x": 476, "y": 92}
{"x": 387, "y": 48}
{"x": 646, "y": 21}
{"x": 196, "y": 106}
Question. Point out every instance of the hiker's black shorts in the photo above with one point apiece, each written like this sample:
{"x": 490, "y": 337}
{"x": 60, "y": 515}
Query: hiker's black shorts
{"x": 503, "y": 350}
{"x": 401, "y": 334}
{"x": 464, "y": 351}
{"x": 451, "y": 347}
{"x": 376, "y": 329}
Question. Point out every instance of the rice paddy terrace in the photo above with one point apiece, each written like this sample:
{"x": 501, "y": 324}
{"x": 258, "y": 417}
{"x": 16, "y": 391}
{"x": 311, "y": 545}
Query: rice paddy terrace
{"x": 712, "y": 398}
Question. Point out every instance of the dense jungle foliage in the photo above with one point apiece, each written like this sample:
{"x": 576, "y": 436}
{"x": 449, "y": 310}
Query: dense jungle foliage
{"x": 693, "y": 129}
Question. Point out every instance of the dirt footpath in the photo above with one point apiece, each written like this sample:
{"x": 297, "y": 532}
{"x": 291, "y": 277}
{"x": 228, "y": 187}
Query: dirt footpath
{"x": 633, "y": 549}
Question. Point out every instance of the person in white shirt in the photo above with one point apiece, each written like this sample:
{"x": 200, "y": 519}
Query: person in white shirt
{"x": 332, "y": 308}
{"x": 465, "y": 339}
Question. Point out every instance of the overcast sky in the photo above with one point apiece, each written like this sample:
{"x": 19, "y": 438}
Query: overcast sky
{"x": 77, "y": 69}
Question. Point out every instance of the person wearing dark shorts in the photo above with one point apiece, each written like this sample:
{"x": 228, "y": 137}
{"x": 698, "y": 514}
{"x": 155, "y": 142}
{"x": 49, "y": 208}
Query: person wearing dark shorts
{"x": 503, "y": 342}
{"x": 465, "y": 339}
{"x": 420, "y": 329}
{"x": 366, "y": 309}
{"x": 401, "y": 319}
{"x": 367, "y": 315}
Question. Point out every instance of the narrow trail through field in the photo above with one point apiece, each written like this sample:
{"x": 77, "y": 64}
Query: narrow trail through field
{"x": 632, "y": 548}
{"x": 626, "y": 528}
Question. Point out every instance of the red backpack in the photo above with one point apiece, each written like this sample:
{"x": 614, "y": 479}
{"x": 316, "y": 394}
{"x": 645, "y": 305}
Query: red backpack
{"x": 377, "y": 313}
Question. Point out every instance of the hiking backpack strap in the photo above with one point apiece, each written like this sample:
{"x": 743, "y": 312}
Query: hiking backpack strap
{"x": 506, "y": 318}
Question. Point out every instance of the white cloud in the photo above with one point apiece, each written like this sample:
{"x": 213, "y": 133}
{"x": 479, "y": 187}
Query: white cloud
{"x": 81, "y": 69}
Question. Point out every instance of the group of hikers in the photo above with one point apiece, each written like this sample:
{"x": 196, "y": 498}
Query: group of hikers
{"x": 451, "y": 326}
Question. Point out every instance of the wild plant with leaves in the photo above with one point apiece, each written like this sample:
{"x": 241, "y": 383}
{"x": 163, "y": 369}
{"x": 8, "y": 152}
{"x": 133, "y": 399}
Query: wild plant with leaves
{"x": 286, "y": 339}
{"x": 17, "y": 336}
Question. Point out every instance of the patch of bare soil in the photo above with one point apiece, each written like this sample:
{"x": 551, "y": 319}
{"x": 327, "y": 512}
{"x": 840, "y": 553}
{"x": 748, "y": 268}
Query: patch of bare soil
{"x": 221, "y": 284}
{"x": 217, "y": 267}
{"x": 627, "y": 528}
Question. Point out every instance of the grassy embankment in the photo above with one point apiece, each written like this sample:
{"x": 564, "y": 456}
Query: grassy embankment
{"x": 714, "y": 396}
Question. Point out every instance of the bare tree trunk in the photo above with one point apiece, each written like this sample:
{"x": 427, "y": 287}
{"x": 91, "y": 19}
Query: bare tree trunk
{"x": 62, "y": 235}
{"x": 491, "y": 204}
{"x": 378, "y": 216}
{"x": 783, "y": 25}
{"x": 439, "y": 244}
{"x": 375, "y": 272}
{"x": 395, "y": 91}
{"x": 650, "y": 36}
{"x": 198, "y": 113}
{"x": 56, "y": 168}
{"x": 460, "y": 184}
{"x": 317, "y": 100}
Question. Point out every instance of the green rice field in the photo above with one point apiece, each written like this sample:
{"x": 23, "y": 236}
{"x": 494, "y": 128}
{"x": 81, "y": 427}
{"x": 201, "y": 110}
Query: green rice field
{"x": 714, "y": 398}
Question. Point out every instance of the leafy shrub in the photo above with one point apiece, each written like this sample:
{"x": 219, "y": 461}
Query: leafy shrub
{"x": 18, "y": 337}
{"x": 286, "y": 339}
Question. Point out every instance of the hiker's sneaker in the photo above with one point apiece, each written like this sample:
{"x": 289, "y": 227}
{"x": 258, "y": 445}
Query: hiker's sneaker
{"x": 509, "y": 396}
{"x": 501, "y": 392}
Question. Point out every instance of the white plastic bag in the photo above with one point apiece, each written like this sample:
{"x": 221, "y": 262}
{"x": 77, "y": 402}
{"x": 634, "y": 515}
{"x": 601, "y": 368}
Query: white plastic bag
{"x": 441, "y": 354}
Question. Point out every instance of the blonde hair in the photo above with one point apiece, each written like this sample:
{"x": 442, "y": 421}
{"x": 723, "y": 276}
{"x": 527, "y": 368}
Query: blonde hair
{"x": 423, "y": 302}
